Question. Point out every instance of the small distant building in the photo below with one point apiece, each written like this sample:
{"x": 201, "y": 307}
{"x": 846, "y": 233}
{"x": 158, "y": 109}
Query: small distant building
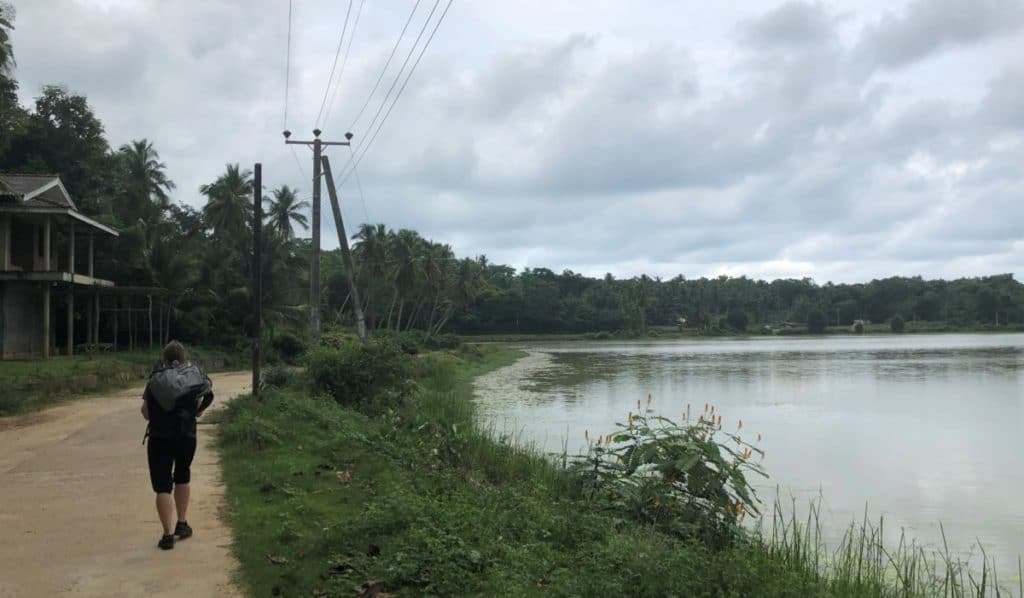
{"x": 41, "y": 269}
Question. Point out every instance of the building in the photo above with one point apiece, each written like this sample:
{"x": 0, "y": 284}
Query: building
{"x": 48, "y": 289}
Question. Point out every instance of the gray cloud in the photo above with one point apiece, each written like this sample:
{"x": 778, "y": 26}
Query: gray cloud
{"x": 799, "y": 139}
{"x": 927, "y": 26}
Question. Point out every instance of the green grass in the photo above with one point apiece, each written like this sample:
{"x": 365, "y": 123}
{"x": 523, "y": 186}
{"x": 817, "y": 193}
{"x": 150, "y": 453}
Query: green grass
{"x": 324, "y": 498}
{"x": 35, "y": 384}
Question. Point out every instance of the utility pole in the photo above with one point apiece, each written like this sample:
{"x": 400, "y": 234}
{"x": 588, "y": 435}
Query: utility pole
{"x": 257, "y": 276}
{"x": 346, "y": 255}
{"x": 314, "y": 266}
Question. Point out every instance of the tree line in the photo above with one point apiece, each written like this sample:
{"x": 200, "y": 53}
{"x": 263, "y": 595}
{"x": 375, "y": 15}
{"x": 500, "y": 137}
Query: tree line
{"x": 407, "y": 282}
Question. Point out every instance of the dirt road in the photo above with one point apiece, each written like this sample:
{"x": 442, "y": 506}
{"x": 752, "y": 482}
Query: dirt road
{"x": 77, "y": 512}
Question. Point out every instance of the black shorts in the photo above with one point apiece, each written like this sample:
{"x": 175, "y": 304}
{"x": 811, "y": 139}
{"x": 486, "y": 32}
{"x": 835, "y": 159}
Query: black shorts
{"x": 169, "y": 461}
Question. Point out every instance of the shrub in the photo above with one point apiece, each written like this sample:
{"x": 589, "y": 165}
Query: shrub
{"x": 443, "y": 341}
{"x": 370, "y": 377}
{"x": 897, "y": 324}
{"x": 676, "y": 476}
{"x": 276, "y": 376}
{"x": 816, "y": 321}
{"x": 288, "y": 345}
{"x": 737, "y": 320}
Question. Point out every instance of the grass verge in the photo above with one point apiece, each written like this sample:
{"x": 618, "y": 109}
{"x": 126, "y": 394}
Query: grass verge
{"x": 32, "y": 385}
{"x": 419, "y": 500}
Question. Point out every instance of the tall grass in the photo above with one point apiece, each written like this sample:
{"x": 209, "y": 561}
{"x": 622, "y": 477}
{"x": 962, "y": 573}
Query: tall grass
{"x": 862, "y": 564}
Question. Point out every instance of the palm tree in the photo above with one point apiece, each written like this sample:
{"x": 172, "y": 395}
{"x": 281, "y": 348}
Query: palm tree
{"x": 371, "y": 251}
{"x": 285, "y": 208}
{"x": 146, "y": 183}
{"x": 406, "y": 249}
{"x": 464, "y": 286}
{"x": 227, "y": 206}
{"x": 6, "y": 50}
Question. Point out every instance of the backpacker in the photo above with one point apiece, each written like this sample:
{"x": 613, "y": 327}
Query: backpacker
{"x": 173, "y": 391}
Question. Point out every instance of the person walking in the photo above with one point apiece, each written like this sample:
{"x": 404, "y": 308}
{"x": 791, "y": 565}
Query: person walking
{"x": 177, "y": 393}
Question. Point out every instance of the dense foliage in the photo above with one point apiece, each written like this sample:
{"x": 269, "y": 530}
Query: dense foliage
{"x": 408, "y": 284}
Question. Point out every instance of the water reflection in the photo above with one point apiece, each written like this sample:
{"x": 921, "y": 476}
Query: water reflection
{"x": 920, "y": 429}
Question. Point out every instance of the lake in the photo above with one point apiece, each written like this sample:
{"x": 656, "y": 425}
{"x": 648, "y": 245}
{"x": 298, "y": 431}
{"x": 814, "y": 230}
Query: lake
{"x": 919, "y": 429}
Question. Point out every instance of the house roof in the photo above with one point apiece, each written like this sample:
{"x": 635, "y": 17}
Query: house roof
{"x": 41, "y": 194}
{"x": 39, "y": 189}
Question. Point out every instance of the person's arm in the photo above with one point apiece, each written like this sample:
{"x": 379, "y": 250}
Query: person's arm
{"x": 204, "y": 402}
{"x": 145, "y": 408}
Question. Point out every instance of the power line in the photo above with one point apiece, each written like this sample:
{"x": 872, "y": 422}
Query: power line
{"x": 359, "y": 185}
{"x": 387, "y": 63}
{"x": 405, "y": 63}
{"x": 298, "y": 163}
{"x": 365, "y": 147}
{"x": 344, "y": 61}
{"x": 287, "y": 65}
{"x": 337, "y": 53}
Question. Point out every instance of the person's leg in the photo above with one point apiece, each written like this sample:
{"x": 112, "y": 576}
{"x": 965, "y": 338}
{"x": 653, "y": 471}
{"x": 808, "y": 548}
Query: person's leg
{"x": 181, "y": 497}
{"x": 160, "y": 455}
{"x": 165, "y": 507}
{"x": 185, "y": 451}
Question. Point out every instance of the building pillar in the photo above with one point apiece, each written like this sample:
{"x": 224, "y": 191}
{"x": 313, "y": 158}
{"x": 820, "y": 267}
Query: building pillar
{"x": 117, "y": 319}
{"x": 71, "y": 320}
{"x": 96, "y": 319}
{"x": 47, "y": 236}
{"x": 46, "y": 320}
{"x": 5, "y": 243}
{"x": 71, "y": 252}
{"x": 91, "y": 262}
{"x": 89, "y": 320}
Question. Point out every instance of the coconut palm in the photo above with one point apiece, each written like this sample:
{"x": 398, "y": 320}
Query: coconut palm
{"x": 285, "y": 209}
{"x": 6, "y": 50}
{"x": 227, "y": 205}
{"x": 405, "y": 255}
{"x": 146, "y": 184}
{"x": 371, "y": 251}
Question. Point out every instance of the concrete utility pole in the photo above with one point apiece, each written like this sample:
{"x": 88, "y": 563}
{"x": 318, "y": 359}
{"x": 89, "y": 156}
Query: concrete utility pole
{"x": 314, "y": 267}
{"x": 346, "y": 255}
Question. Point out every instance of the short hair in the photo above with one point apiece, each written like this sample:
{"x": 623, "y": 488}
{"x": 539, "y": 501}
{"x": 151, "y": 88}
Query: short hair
{"x": 175, "y": 352}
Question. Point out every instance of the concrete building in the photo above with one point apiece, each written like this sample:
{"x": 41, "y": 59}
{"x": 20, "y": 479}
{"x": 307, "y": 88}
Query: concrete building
{"x": 48, "y": 289}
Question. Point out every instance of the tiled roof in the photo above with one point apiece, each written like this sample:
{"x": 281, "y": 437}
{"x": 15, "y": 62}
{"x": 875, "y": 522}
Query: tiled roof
{"x": 20, "y": 184}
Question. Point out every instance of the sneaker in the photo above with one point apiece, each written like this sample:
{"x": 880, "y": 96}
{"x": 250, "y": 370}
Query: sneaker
{"x": 182, "y": 530}
{"x": 166, "y": 542}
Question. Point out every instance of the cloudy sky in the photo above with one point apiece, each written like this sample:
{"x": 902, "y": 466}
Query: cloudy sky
{"x": 841, "y": 140}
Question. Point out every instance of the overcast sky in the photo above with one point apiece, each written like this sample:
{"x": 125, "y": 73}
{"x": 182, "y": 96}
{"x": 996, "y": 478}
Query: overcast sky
{"x": 840, "y": 140}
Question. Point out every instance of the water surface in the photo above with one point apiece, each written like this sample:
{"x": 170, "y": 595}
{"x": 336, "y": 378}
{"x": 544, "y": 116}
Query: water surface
{"x": 920, "y": 429}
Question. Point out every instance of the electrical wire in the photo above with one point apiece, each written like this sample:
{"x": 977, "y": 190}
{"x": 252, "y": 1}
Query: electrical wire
{"x": 337, "y": 53}
{"x": 359, "y": 185}
{"x": 405, "y": 63}
{"x": 365, "y": 147}
{"x": 298, "y": 163}
{"x": 344, "y": 61}
{"x": 387, "y": 63}
{"x": 287, "y": 67}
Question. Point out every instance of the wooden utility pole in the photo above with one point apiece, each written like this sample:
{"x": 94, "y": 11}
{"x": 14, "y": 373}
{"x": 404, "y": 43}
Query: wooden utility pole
{"x": 257, "y": 276}
{"x": 346, "y": 254}
{"x": 314, "y": 267}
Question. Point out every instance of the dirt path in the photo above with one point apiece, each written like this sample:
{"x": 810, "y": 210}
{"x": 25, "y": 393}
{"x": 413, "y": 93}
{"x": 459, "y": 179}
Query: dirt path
{"x": 77, "y": 512}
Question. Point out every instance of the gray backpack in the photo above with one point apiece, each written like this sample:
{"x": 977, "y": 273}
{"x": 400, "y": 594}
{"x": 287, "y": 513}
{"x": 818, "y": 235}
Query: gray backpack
{"x": 178, "y": 381}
